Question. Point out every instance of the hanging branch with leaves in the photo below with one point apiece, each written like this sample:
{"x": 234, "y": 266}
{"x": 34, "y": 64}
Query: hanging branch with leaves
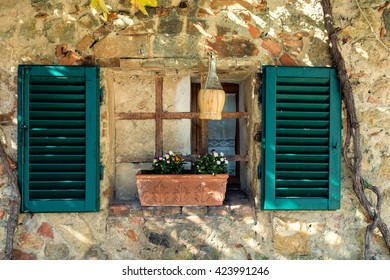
{"x": 353, "y": 137}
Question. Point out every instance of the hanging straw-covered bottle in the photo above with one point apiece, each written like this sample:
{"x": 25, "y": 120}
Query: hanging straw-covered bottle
{"x": 211, "y": 97}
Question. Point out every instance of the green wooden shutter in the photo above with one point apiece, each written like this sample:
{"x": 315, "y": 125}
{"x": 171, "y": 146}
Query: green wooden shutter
{"x": 301, "y": 138}
{"x": 58, "y": 138}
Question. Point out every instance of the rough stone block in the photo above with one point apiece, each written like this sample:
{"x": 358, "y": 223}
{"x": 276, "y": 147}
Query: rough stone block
{"x": 253, "y": 31}
{"x": 56, "y": 251}
{"x": 176, "y": 46}
{"x": 69, "y": 59}
{"x": 46, "y": 230}
{"x": 223, "y": 210}
{"x": 232, "y": 46}
{"x": 2, "y": 214}
{"x": 148, "y": 211}
{"x": 167, "y": 211}
{"x": 29, "y": 241}
{"x": 194, "y": 210}
{"x": 138, "y": 28}
{"x": 61, "y": 50}
{"x": 122, "y": 46}
{"x": 243, "y": 211}
{"x": 132, "y": 235}
{"x": 290, "y": 237}
{"x": 21, "y": 255}
{"x": 286, "y": 60}
{"x": 85, "y": 43}
{"x": 120, "y": 209}
{"x": 135, "y": 208}
{"x": 170, "y": 26}
{"x": 136, "y": 220}
{"x": 271, "y": 46}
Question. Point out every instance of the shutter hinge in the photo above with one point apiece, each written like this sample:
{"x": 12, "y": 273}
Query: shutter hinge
{"x": 101, "y": 172}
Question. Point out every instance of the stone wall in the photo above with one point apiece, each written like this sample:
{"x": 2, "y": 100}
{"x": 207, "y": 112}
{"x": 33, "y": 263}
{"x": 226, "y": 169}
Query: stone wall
{"x": 173, "y": 41}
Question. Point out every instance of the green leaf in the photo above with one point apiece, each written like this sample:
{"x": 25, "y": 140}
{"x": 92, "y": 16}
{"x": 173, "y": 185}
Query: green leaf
{"x": 141, "y": 4}
{"x": 97, "y": 5}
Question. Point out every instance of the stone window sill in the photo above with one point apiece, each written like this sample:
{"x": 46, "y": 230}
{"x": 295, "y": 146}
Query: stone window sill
{"x": 236, "y": 206}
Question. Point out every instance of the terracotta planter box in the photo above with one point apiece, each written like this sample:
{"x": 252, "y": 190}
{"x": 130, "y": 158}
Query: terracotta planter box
{"x": 181, "y": 189}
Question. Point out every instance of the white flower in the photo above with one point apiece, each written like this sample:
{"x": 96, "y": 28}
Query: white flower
{"x": 218, "y": 162}
{"x": 226, "y": 161}
{"x": 222, "y": 159}
{"x": 221, "y": 154}
{"x": 155, "y": 160}
{"x": 215, "y": 154}
{"x": 171, "y": 153}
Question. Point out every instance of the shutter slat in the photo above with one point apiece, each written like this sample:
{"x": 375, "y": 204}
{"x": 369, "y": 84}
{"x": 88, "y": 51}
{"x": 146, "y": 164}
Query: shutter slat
{"x": 57, "y": 123}
{"x": 57, "y": 158}
{"x": 53, "y": 106}
{"x": 56, "y": 80}
{"x": 57, "y": 141}
{"x": 57, "y": 132}
{"x": 292, "y": 183}
{"x": 311, "y": 107}
{"x": 300, "y": 124}
{"x": 290, "y": 132}
{"x": 302, "y": 89}
{"x": 57, "y": 97}
{"x": 57, "y": 150}
{"x": 301, "y": 158}
{"x": 302, "y": 115}
{"x": 61, "y": 176}
{"x": 42, "y": 185}
{"x": 292, "y": 149}
{"x": 306, "y": 141}
{"x": 56, "y": 115}
{"x": 301, "y": 192}
{"x": 300, "y": 98}
{"x": 303, "y": 175}
{"x": 296, "y": 80}
{"x": 299, "y": 166}
{"x": 57, "y": 194}
{"x": 56, "y": 167}
{"x": 56, "y": 89}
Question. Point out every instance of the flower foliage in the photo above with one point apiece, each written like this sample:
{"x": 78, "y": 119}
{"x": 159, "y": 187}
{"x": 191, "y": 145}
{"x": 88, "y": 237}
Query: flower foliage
{"x": 169, "y": 163}
{"x": 211, "y": 163}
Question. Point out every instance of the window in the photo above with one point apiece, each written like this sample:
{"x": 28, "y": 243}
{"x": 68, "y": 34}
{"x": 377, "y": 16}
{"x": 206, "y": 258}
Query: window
{"x": 223, "y": 135}
{"x": 301, "y": 138}
{"x": 58, "y": 138}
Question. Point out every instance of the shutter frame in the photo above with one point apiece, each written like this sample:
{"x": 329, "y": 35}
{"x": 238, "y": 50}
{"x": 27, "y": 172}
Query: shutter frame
{"x": 50, "y": 197}
{"x": 308, "y": 194}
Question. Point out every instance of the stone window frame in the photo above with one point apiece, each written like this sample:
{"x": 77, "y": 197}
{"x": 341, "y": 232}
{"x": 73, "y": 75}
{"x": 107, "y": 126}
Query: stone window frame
{"x": 159, "y": 115}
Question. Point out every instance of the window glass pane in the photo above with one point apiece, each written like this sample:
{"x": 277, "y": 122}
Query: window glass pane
{"x": 222, "y": 134}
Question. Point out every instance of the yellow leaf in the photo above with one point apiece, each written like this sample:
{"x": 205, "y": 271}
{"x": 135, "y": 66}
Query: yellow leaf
{"x": 141, "y": 4}
{"x": 97, "y": 5}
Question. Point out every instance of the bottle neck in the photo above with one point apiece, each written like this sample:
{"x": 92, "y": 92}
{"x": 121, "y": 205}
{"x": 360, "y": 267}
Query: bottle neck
{"x": 212, "y": 81}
